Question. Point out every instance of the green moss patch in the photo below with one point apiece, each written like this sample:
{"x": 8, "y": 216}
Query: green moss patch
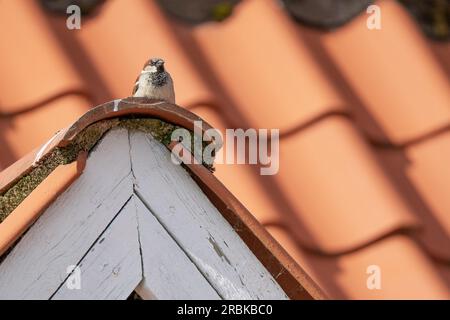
{"x": 160, "y": 130}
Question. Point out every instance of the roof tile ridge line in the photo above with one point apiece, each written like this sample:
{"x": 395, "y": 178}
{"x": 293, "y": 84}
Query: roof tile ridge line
{"x": 24, "y": 215}
{"x": 430, "y": 253}
{"x": 367, "y": 137}
{"x": 204, "y": 103}
{"x": 314, "y": 120}
{"x": 223, "y": 112}
{"x": 413, "y": 141}
{"x": 70, "y": 92}
{"x": 397, "y": 230}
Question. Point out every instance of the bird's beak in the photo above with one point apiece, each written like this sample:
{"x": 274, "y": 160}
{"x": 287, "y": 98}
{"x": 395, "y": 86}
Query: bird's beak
{"x": 160, "y": 65}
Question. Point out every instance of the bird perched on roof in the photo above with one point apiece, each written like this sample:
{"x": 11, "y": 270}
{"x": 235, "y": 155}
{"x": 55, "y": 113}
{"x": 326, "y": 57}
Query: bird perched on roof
{"x": 154, "y": 82}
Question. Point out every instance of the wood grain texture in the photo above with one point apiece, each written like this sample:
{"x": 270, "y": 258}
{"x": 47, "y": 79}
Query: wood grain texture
{"x": 111, "y": 270}
{"x": 196, "y": 225}
{"x": 65, "y": 232}
{"x": 168, "y": 272}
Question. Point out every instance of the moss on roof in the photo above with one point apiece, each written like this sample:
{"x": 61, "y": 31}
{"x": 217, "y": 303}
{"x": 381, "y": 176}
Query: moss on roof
{"x": 84, "y": 141}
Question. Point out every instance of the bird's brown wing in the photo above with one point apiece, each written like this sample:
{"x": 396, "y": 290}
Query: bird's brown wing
{"x": 136, "y": 86}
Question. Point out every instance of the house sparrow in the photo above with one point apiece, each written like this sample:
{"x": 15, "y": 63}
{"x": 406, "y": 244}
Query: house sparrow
{"x": 154, "y": 82}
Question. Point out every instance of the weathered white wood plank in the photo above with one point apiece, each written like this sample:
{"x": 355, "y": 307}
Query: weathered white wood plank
{"x": 168, "y": 272}
{"x": 196, "y": 225}
{"x": 64, "y": 233}
{"x": 111, "y": 270}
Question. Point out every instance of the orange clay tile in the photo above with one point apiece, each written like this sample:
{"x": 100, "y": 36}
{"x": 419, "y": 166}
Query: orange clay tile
{"x": 24, "y": 132}
{"x": 442, "y": 52}
{"x": 244, "y": 180}
{"x": 394, "y": 74}
{"x": 37, "y": 68}
{"x": 406, "y": 272}
{"x": 9, "y": 175}
{"x": 337, "y": 189}
{"x": 130, "y": 34}
{"x": 269, "y": 72}
{"x": 29, "y": 210}
{"x": 444, "y": 269}
{"x": 429, "y": 172}
{"x": 433, "y": 233}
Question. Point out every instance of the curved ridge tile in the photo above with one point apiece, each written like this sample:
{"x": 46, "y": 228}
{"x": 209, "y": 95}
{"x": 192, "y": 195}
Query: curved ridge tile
{"x": 345, "y": 276}
{"x": 130, "y": 106}
{"x": 122, "y": 37}
{"x": 394, "y": 73}
{"x": 338, "y": 191}
{"x": 36, "y": 66}
{"x": 274, "y": 79}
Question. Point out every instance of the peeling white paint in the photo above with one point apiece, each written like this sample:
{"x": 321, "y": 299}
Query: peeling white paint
{"x": 221, "y": 280}
{"x": 116, "y": 105}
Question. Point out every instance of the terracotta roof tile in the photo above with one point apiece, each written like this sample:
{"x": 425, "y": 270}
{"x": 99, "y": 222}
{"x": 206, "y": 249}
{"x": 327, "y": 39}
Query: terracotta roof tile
{"x": 429, "y": 172}
{"x": 345, "y": 276}
{"x": 272, "y": 59}
{"x": 419, "y": 172}
{"x": 253, "y": 189}
{"x": 141, "y": 33}
{"x": 364, "y": 118}
{"x": 37, "y": 67}
{"x": 445, "y": 271}
{"x": 23, "y": 132}
{"x": 442, "y": 52}
{"x": 340, "y": 183}
{"x": 406, "y": 104}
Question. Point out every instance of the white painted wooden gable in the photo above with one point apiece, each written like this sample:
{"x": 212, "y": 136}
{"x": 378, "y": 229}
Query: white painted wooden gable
{"x": 133, "y": 221}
